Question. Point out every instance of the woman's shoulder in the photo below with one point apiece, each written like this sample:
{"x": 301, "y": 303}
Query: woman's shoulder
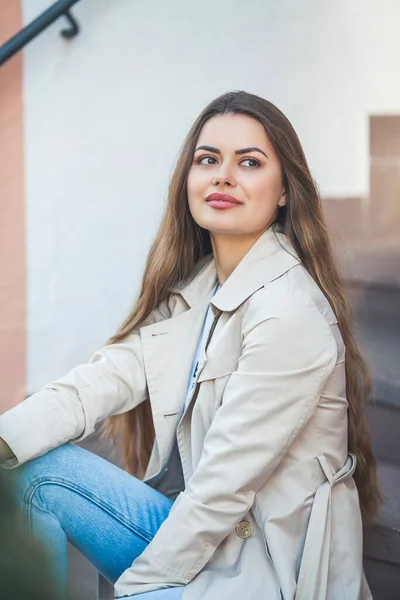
{"x": 292, "y": 297}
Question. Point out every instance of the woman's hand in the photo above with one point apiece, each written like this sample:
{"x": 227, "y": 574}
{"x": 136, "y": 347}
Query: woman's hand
{"x": 5, "y": 451}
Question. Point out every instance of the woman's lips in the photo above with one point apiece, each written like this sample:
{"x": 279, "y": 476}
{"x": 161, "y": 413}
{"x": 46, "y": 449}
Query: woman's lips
{"x": 222, "y": 201}
{"x": 222, "y": 204}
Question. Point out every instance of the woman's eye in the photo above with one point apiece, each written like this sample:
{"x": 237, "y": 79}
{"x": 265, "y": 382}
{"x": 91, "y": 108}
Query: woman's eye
{"x": 252, "y": 160}
{"x": 200, "y": 160}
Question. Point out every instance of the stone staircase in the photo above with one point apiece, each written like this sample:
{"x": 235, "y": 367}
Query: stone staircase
{"x": 377, "y": 310}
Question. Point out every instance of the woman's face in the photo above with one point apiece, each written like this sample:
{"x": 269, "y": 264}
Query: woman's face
{"x": 234, "y": 156}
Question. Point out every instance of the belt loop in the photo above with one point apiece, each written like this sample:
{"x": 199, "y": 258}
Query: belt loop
{"x": 326, "y": 468}
{"x": 348, "y": 468}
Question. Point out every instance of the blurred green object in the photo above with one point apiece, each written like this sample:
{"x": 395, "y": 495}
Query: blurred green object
{"x": 24, "y": 566}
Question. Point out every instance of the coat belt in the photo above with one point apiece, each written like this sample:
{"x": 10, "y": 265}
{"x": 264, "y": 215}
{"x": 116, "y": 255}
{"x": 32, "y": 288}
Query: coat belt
{"x": 313, "y": 575}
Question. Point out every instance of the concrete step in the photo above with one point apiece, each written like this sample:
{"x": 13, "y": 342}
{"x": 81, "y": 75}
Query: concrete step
{"x": 383, "y": 579}
{"x": 377, "y": 314}
{"x": 382, "y": 539}
{"x": 384, "y": 422}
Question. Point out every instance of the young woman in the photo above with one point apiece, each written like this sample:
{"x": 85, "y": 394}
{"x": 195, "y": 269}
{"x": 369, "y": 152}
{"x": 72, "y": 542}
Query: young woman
{"x": 235, "y": 388}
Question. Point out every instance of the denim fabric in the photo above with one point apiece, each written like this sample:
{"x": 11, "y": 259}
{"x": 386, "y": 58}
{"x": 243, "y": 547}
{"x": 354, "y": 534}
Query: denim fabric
{"x": 70, "y": 494}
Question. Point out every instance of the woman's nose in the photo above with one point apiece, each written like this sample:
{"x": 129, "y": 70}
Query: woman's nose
{"x": 224, "y": 176}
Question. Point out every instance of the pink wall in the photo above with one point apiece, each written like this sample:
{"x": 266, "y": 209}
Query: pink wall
{"x": 12, "y": 218}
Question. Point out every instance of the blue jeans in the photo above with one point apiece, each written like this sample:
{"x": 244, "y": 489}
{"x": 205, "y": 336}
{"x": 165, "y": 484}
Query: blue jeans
{"x": 70, "y": 494}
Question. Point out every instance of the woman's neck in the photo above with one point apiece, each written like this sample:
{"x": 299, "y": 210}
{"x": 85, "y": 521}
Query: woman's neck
{"x": 228, "y": 251}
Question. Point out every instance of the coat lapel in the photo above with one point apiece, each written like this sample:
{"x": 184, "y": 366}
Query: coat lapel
{"x": 270, "y": 256}
{"x": 168, "y": 348}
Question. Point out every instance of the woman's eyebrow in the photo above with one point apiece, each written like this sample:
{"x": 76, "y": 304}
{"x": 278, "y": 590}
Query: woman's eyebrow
{"x": 241, "y": 151}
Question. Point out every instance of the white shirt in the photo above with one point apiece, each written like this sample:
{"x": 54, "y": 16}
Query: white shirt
{"x": 200, "y": 345}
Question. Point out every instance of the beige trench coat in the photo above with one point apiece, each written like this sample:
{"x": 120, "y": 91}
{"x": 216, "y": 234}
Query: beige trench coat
{"x": 270, "y": 510}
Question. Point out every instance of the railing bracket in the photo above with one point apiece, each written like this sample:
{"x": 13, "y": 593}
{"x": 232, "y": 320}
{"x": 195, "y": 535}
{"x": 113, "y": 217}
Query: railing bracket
{"x": 73, "y": 29}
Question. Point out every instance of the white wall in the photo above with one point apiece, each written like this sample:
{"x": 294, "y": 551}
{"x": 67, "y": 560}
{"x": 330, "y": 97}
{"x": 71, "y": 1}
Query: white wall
{"x": 105, "y": 115}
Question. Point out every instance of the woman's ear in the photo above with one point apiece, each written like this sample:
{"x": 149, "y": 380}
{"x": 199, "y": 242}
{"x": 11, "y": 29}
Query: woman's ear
{"x": 282, "y": 199}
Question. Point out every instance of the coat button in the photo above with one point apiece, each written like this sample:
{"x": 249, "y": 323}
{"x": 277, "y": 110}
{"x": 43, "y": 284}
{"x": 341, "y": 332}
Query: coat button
{"x": 245, "y": 529}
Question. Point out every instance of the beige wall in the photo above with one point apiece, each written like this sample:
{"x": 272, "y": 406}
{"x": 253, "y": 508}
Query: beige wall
{"x": 385, "y": 176}
{"x": 12, "y": 219}
{"x": 366, "y": 229}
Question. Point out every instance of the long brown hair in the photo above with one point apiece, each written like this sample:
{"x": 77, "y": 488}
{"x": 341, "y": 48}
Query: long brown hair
{"x": 180, "y": 243}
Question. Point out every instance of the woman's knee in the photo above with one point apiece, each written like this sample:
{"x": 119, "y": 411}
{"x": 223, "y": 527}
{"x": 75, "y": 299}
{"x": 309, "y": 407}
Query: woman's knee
{"x": 25, "y": 478}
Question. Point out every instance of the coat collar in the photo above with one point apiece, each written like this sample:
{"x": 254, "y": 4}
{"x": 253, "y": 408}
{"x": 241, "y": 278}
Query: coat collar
{"x": 270, "y": 256}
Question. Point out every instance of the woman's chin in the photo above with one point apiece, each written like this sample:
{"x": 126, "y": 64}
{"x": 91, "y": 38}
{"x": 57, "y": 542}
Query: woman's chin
{"x": 220, "y": 224}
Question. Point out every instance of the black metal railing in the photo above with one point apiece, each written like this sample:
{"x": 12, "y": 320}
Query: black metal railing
{"x": 28, "y": 33}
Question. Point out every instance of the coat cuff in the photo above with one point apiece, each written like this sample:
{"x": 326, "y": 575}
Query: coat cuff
{"x": 27, "y": 432}
{"x": 142, "y": 577}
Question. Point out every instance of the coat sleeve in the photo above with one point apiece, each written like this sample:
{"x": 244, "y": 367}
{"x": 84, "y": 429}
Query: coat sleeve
{"x": 113, "y": 381}
{"x": 281, "y": 372}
